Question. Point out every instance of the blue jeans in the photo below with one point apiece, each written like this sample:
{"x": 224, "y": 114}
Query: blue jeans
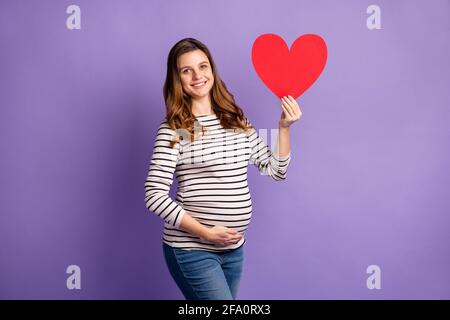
{"x": 205, "y": 275}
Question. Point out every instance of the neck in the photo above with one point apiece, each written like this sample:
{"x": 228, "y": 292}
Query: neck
{"x": 201, "y": 106}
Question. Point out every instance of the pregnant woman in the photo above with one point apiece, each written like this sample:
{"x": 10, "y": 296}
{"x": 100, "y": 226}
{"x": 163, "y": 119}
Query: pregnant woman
{"x": 207, "y": 142}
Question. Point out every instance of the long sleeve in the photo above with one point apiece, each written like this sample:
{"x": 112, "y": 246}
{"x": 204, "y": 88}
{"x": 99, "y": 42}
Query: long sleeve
{"x": 160, "y": 178}
{"x": 265, "y": 160}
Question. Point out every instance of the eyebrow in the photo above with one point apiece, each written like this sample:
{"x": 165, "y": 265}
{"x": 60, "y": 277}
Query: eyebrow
{"x": 189, "y": 66}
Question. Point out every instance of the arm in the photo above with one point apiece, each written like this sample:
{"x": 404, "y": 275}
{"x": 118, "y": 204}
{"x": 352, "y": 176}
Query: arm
{"x": 276, "y": 164}
{"x": 283, "y": 148}
{"x": 160, "y": 178}
{"x": 268, "y": 162}
{"x": 291, "y": 113}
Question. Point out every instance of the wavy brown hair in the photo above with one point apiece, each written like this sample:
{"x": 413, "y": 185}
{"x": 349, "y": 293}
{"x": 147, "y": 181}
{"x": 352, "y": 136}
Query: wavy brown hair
{"x": 178, "y": 103}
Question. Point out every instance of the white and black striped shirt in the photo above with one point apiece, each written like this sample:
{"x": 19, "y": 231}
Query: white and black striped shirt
{"x": 212, "y": 180}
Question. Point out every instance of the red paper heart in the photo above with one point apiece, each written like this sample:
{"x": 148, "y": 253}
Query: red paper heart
{"x": 289, "y": 72}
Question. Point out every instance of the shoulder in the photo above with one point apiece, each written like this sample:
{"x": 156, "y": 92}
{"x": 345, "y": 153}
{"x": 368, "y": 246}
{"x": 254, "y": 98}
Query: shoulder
{"x": 164, "y": 128}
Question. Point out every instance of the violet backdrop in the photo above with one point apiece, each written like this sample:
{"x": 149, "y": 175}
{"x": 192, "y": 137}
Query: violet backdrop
{"x": 368, "y": 183}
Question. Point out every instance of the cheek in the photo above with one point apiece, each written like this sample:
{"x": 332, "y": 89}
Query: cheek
{"x": 210, "y": 76}
{"x": 185, "y": 81}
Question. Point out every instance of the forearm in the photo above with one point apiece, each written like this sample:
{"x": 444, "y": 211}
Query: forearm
{"x": 191, "y": 225}
{"x": 283, "y": 142}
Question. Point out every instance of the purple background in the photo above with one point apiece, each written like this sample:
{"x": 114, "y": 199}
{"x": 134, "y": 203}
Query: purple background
{"x": 369, "y": 177}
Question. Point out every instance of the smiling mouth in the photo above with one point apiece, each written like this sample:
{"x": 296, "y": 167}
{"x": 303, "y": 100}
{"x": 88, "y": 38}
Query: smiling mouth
{"x": 200, "y": 85}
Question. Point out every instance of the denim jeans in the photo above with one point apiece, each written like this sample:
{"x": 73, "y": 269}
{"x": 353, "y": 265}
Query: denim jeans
{"x": 205, "y": 275}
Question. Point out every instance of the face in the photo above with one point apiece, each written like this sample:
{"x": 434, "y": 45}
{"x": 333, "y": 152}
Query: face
{"x": 195, "y": 73}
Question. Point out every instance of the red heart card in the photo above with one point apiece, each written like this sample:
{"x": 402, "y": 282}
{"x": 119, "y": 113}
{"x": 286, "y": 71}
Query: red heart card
{"x": 289, "y": 72}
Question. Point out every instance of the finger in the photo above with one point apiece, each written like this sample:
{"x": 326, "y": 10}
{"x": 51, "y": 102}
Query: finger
{"x": 225, "y": 237}
{"x": 289, "y": 107}
{"x": 293, "y": 104}
{"x": 286, "y": 112}
{"x": 294, "y": 113}
{"x": 297, "y": 110}
{"x": 289, "y": 101}
{"x": 239, "y": 237}
{"x": 284, "y": 102}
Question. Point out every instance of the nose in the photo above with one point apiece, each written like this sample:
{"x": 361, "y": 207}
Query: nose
{"x": 196, "y": 75}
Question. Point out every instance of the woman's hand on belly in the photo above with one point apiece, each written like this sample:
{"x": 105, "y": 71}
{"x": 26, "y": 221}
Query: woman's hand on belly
{"x": 222, "y": 236}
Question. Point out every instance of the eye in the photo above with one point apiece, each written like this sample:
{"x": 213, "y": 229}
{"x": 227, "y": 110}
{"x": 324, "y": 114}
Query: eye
{"x": 204, "y": 66}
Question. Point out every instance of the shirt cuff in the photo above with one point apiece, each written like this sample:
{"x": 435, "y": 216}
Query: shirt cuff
{"x": 179, "y": 218}
{"x": 282, "y": 159}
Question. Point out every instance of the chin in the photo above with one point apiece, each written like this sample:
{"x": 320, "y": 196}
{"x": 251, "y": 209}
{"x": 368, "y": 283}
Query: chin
{"x": 196, "y": 95}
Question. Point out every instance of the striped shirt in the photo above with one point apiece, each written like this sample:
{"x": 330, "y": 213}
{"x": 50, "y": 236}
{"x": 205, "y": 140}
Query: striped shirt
{"x": 212, "y": 180}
